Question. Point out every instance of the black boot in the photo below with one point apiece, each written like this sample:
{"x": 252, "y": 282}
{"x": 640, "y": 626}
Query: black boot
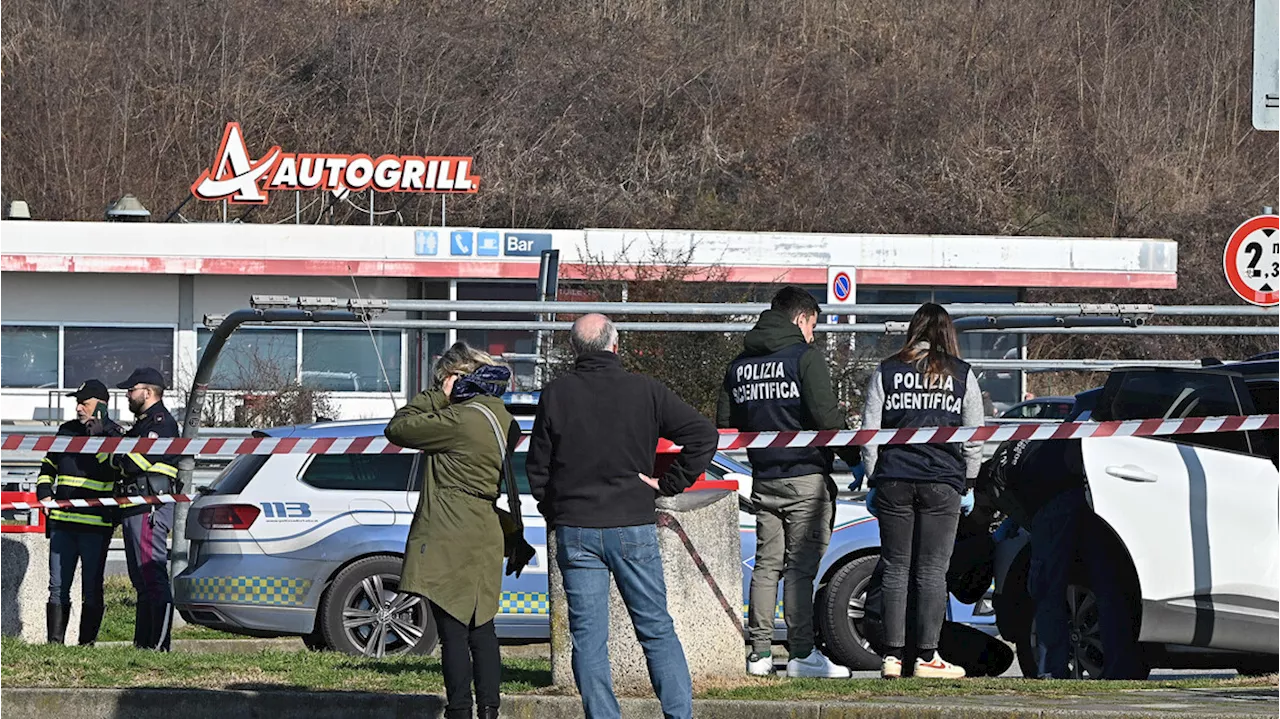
{"x": 90, "y": 623}
{"x": 142, "y": 624}
{"x": 488, "y": 713}
{"x": 56, "y": 617}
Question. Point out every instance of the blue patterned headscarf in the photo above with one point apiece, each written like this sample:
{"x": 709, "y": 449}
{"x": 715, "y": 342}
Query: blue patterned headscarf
{"x": 489, "y": 379}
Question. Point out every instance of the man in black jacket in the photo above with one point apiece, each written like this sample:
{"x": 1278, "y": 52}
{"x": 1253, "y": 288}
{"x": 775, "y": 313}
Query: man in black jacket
{"x": 79, "y": 534}
{"x": 781, "y": 382}
{"x": 590, "y": 456}
{"x": 146, "y": 527}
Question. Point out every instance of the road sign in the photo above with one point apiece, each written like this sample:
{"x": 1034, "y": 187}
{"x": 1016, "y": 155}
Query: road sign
{"x": 1266, "y": 64}
{"x": 1251, "y": 260}
{"x": 840, "y": 286}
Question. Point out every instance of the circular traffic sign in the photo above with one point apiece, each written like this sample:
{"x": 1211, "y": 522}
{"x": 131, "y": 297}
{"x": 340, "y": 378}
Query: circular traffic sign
{"x": 1251, "y": 260}
{"x": 842, "y": 286}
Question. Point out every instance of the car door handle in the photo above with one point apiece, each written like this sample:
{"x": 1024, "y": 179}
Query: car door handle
{"x": 1131, "y": 473}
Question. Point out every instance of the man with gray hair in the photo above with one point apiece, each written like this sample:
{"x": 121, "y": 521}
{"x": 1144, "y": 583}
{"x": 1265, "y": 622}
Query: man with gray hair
{"x": 592, "y": 450}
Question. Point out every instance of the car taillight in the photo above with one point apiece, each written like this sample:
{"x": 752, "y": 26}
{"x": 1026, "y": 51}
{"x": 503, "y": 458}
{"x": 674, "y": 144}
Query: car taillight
{"x": 229, "y": 516}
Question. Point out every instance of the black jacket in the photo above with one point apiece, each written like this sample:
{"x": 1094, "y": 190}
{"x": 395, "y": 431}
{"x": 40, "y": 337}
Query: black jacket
{"x": 596, "y": 430}
{"x": 149, "y": 473}
{"x": 780, "y": 382}
{"x": 80, "y": 476}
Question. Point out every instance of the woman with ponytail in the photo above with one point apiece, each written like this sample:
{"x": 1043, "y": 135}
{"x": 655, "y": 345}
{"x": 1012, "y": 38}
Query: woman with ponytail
{"x": 917, "y": 489}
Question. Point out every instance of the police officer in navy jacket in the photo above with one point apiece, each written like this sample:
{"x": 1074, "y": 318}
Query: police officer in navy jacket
{"x": 145, "y": 526}
{"x": 781, "y": 382}
{"x": 916, "y": 489}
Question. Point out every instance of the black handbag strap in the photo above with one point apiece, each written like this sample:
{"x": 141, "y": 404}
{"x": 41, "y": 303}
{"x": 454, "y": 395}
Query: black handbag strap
{"x": 508, "y": 477}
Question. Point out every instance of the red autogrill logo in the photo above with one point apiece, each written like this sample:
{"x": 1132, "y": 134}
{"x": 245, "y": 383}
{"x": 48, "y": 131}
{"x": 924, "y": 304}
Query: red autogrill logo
{"x": 237, "y": 177}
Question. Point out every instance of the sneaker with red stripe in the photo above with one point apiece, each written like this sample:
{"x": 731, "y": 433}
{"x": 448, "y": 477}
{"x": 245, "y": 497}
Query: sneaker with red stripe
{"x": 938, "y": 668}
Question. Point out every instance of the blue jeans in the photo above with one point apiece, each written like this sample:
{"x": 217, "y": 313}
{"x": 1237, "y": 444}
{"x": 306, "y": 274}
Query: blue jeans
{"x": 587, "y": 556}
{"x": 66, "y": 548}
{"x": 1060, "y": 531}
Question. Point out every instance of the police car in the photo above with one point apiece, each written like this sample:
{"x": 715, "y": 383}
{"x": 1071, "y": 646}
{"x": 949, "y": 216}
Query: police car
{"x": 311, "y": 546}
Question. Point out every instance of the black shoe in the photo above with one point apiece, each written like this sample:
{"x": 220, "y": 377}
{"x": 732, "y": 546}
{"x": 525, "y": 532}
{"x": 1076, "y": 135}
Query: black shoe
{"x": 90, "y": 623}
{"x": 142, "y": 624}
{"x": 488, "y": 713}
{"x": 56, "y": 617}
{"x": 457, "y": 713}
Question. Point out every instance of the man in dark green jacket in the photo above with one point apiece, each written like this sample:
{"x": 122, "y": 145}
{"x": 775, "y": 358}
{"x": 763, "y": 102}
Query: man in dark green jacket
{"x": 781, "y": 382}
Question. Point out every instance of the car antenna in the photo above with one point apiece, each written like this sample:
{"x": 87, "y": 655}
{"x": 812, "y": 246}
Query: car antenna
{"x": 373, "y": 338}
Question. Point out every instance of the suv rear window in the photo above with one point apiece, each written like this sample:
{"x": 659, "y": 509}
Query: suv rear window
{"x": 235, "y": 477}
{"x": 360, "y": 472}
{"x": 1157, "y": 394}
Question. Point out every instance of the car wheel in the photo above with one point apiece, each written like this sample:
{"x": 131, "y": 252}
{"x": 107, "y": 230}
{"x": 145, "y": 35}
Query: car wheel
{"x": 1085, "y": 632}
{"x": 363, "y": 613}
{"x": 841, "y": 613}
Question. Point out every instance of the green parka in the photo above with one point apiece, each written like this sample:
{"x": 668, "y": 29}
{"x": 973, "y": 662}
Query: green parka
{"x": 454, "y": 553}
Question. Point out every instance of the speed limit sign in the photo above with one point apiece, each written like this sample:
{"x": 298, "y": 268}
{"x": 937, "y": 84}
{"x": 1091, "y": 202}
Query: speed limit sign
{"x": 1252, "y": 260}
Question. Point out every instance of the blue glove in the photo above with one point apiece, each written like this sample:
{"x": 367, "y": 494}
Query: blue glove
{"x": 871, "y": 502}
{"x": 966, "y": 503}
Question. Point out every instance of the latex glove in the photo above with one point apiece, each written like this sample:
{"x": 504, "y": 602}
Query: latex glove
{"x": 871, "y": 502}
{"x": 966, "y": 503}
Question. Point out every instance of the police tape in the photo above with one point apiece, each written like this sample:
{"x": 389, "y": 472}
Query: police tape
{"x": 729, "y": 439}
{"x": 99, "y": 502}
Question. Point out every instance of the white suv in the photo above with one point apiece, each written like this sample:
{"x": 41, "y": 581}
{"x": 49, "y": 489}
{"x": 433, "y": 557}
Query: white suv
{"x": 1191, "y": 518}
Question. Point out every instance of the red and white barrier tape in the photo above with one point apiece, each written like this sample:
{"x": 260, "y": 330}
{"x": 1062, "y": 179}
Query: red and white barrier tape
{"x": 728, "y": 439}
{"x": 103, "y": 502}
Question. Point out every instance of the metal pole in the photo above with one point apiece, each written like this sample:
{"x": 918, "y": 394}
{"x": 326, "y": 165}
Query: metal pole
{"x": 891, "y": 310}
{"x": 866, "y": 328}
{"x": 200, "y": 388}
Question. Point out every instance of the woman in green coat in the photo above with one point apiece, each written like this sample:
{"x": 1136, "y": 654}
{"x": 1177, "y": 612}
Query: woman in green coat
{"x": 454, "y": 553}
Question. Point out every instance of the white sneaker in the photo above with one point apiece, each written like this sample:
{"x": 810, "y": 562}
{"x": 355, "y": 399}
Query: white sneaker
{"x": 816, "y": 666}
{"x": 939, "y": 668}
{"x": 891, "y": 668}
{"x": 758, "y": 666}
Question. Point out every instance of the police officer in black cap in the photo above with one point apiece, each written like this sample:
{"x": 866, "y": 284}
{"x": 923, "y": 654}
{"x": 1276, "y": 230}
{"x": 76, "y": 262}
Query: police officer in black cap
{"x": 81, "y": 534}
{"x": 146, "y": 527}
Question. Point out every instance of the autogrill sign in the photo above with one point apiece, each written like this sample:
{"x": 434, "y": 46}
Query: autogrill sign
{"x": 238, "y": 178}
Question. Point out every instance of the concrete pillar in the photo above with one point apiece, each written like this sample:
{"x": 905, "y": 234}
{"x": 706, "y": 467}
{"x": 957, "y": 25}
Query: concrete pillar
{"x": 711, "y": 634}
{"x": 24, "y": 589}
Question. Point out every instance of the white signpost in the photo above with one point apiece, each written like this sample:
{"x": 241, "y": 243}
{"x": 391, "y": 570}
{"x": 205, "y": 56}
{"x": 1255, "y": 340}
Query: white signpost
{"x": 1266, "y": 64}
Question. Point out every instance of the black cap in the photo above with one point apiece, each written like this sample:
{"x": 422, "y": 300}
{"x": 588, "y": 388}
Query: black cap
{"x": 143, "y": 375}
{"x": 91, "y": 388}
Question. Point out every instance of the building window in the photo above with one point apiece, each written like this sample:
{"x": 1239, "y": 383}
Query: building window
{"x": 109, "y": 354}
{"x": 29, "y": 357}
{"x": 254, "y": 359}
{"x": 503, "y": 342}
{"x": 351, "y": 360}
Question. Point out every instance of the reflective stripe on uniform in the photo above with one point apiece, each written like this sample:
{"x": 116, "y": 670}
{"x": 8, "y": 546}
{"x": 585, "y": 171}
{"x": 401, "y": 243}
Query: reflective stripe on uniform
{"x": 102, "y": 457}
{"x": 65, "y": 480}
{"x": 96, "y": 520}
{"x": 167, "y": 470}
{"x": 44, "y": 479}
{"x": 143, "y": 463}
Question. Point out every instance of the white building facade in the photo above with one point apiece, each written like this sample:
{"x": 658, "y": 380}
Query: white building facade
{"x": 95, "y": 299}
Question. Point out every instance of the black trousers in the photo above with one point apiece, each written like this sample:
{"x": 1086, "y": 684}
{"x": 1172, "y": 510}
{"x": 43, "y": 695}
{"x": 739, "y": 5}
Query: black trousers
{"x": 468, "y": 653}
{"x": 917, "y": 520}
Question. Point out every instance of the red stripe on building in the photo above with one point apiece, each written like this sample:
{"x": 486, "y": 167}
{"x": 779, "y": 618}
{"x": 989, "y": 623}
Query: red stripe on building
{"x": 516, "y": 269}
{"x": 1017, "y": 278}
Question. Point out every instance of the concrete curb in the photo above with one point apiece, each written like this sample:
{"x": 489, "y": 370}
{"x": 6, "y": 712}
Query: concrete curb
{"x": 285, "y": 704}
